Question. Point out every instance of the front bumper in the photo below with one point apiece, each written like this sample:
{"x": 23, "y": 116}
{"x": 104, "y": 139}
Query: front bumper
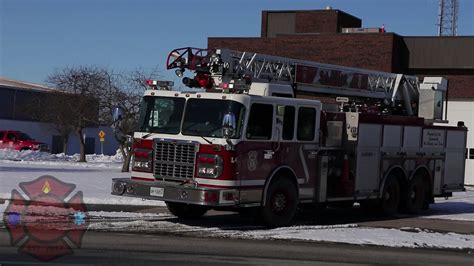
{"x": 174, "y": 192}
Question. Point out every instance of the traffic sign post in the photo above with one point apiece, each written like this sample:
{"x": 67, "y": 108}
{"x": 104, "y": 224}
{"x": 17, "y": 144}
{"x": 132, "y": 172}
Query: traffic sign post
{"x": 102, "y": 139}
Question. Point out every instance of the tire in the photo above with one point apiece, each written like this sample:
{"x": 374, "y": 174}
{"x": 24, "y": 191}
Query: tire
{"x": 24, "y": 149}
{"x": 414, "y": 195}
{"x": 390, "y": 201}
{"x": 280, "y": 204}
{"x": 186, "y": 211}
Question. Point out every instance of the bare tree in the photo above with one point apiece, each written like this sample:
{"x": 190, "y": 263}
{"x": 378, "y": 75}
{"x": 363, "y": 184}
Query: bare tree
{"x": 80, "y": 100}
{"x": 50, "y": 108}
{"x": 128, "y": 97}
{"x": 85, "y": 97}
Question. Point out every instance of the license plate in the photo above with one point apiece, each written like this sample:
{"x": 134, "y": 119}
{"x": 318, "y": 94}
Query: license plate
{"x": 157, "y": 191}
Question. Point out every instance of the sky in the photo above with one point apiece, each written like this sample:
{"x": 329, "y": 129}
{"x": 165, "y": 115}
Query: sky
{"x": 39, "y": 37}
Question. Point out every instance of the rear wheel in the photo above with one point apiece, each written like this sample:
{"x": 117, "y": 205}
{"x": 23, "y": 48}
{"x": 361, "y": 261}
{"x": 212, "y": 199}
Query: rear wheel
{"x": 414, "y": 195}
{"x": 280, "y": 203}
{"x": 391, "y": 196}
{"x": 186, "y": 211}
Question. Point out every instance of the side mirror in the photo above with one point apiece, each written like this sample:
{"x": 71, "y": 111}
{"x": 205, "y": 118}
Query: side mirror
{"x": 117, "y": 114}
{"x": 229, "y": 126}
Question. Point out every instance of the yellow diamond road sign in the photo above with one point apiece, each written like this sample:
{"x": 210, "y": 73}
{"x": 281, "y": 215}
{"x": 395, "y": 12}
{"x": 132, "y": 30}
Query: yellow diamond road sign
{"x": 101, "y": 134}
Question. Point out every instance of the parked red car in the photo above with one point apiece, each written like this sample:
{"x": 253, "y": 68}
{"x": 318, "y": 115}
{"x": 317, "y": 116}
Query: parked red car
{"x": 17, "y": 140}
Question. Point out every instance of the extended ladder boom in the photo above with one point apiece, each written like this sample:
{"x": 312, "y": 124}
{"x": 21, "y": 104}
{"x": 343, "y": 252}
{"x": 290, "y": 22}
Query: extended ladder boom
{"x": 219, "y": 67}
{"x": 314, "y": 77}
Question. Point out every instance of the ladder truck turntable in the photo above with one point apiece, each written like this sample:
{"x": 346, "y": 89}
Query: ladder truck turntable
{"x": 270, "y": 133}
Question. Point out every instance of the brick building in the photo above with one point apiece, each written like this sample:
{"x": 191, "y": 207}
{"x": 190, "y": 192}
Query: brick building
{"x": 335, "y": 37}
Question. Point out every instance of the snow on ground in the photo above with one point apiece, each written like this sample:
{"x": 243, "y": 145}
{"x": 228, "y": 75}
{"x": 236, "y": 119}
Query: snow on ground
{"x": 459, "y": 207}
{"x": 93, "y": 178}
{"x": 105, "y": 214}
{"x": 410, "y": 237}
{"x": 44, "y": 158}
{"x": 348, "y": 233}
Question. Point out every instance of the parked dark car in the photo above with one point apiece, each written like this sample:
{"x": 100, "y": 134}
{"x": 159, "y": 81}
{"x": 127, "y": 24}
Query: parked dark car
{"x": 17, "y": 140}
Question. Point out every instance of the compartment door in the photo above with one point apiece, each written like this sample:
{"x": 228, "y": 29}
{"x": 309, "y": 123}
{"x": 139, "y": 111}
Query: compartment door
{"x": 368, "y": 159}
{"x": 455, "y": 160}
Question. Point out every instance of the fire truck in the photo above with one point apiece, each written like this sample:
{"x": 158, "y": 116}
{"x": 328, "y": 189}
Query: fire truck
{"x": 271, "y": 133}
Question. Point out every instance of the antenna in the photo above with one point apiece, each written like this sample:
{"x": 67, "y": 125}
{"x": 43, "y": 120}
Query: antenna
{"x": 448, "y": 17}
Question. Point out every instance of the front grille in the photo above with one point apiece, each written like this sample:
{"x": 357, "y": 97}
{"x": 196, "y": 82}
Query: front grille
{"x": 174, "y": 160}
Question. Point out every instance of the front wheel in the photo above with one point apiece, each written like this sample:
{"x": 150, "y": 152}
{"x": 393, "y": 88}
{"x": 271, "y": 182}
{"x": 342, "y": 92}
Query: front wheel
{"x": 186, "y": 211}
{"x": 280, "y": 204}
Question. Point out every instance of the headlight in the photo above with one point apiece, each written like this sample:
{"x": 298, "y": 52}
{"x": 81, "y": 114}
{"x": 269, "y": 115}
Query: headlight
{"x": 209, "y": 165}
{"x": 142, "y": 160}
{"x": 138, "y": 164}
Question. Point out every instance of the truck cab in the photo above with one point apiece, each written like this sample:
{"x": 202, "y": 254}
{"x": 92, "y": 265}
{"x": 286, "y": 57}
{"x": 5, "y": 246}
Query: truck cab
{"x": 181, "y": 154}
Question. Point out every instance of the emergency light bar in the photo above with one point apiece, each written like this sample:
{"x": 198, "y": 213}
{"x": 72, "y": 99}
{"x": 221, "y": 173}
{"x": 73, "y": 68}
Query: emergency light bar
{"x": 159, "y": 84}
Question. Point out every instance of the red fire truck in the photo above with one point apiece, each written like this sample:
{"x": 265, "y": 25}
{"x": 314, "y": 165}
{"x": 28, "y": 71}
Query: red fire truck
{"x": 270, "y": 133}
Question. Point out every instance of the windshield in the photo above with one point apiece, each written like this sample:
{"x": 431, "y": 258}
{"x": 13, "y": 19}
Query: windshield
{"x": 24, "y": 136}
{"x": 202, "y": 117}
{"x": 161, "y": 114}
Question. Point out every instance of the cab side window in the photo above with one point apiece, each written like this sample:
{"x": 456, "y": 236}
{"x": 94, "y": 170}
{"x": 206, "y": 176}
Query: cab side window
{"x": 260, "y": 124}
{"x": 306, "y": 123}
{"x": 288, "y": 123}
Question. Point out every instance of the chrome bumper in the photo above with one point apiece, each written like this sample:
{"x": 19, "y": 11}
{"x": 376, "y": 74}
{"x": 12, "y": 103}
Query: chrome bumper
{"x": 166, "y": 191}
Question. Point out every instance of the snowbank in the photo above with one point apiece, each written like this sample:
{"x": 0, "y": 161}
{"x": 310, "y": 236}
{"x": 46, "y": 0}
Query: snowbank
{"x": 93, "y": 178}
{"x": 37, "y": 157}
{"x": 29, "y": 155}
{"x": 343, "y": 233}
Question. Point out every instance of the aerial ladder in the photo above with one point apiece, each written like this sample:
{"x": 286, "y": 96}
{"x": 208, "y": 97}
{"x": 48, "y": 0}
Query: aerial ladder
{"x": 235, "y": 71}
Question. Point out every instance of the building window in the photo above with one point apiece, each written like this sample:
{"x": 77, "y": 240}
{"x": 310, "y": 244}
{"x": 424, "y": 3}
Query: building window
{"x": 471, "y": 154}
{"x": 260, "y": 124}
{"x": 7, "y": 102}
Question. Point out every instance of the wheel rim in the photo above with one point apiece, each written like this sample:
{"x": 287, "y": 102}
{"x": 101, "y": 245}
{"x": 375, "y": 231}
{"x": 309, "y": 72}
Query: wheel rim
{"x": 390, "y": 198}
{"x": 279, "y": 202}
{"x": 386, "y": 196}
{"x": 413, "y": 194}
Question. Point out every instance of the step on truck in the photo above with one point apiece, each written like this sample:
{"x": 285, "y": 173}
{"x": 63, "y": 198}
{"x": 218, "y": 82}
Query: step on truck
{"x": 271, "y": 133}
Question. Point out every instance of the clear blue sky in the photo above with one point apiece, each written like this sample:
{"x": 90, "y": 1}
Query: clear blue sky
{"x": 38, "y": 37}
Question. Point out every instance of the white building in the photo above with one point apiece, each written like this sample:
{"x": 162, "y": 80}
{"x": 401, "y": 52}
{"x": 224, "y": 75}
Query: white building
{"x": 463, "y": 110}
{"x": 14, "y": 95}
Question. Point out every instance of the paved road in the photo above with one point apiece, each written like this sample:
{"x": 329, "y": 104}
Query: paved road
{"x": 194, "y": 248}
{"x": 330, "y": 216}
{"x": 137, "y": 249}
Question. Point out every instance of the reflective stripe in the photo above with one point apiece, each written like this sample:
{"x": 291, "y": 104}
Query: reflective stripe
{"x": 306, "y": 192}
{"x": 142, "y": 175}
{"x": 230, "y": 183}
{"x": 303, "y": 162}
